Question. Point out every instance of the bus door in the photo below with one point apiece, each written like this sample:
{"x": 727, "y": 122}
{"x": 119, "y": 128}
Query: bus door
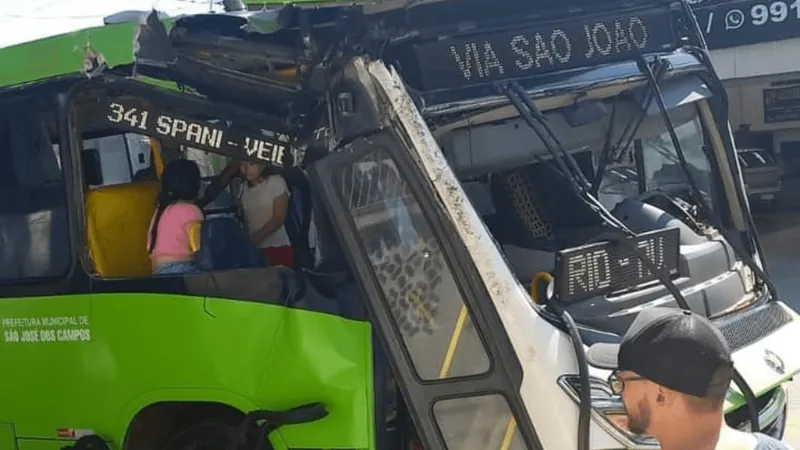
{"x": 45, "y": 314}
{"x": 444, "y": 340}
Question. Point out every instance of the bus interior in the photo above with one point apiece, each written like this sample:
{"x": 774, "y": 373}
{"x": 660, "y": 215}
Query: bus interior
{"x": 623, "y": 149}
{"x": 112, "y": 182}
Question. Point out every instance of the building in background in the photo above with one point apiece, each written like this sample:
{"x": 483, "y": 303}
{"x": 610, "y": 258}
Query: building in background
{"x": 755, "y": 45}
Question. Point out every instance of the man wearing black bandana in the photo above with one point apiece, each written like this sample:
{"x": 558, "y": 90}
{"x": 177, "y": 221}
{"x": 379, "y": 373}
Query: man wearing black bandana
{"x": 673, "y": 369}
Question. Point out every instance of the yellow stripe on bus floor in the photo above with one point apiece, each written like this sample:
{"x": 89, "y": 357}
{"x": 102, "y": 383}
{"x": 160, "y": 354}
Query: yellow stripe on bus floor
{"x": 509, "y": 436}
{"x": 414, "y": 297}
{"x": 447, "y": 362}
{"x": 452, "y": 346}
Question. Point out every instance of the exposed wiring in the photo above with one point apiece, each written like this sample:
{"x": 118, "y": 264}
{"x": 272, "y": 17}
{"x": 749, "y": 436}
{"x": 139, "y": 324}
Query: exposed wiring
{"x": 664, "y": 278}
{"x": 702, "y": 55}
{"x": 701, "y": 201}
{"x": 585, "y": 394}
{"x": 706, "y": 209}
{"x": 568, "y": 168}
{"x": 565, "y": 163}
{"x": 613, "y": 153}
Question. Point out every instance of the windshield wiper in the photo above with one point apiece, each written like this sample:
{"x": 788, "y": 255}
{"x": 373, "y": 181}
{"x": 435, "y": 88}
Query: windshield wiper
{"x": 695, "y": 192}
{"x": 564, "y": 161}
{"x": 612, "y": 153}
{"x": 604, "y": 154}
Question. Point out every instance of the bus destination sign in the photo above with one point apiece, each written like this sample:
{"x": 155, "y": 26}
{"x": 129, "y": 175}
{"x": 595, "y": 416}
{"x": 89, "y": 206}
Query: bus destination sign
{"x": 606, "y": 267}
{"x": 202, "y": 135}
{"x": 491, "y": 57}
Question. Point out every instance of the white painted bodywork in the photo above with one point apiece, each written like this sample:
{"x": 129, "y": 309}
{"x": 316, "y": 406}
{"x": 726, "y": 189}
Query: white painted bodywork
{"x": 536, "y": 342}
{"x": 544, "y": 352}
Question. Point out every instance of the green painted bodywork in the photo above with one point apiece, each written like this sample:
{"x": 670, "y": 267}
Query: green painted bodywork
{"x": 64, "y": 55}
{"x": 152, "y": 348}
{"x": 7, "y": 437}
{"x": 148, "y": 348}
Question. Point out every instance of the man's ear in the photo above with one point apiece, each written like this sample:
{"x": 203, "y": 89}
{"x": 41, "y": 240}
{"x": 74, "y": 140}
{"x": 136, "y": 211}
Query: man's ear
{"x": 665, "y": 396}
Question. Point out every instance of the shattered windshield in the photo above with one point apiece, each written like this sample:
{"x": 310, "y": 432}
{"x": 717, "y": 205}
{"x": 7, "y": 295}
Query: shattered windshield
{"x": 620, "y": 159}
{"x": 651, "y": 162}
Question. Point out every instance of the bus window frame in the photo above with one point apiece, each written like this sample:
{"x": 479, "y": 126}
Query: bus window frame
{"x": 111, "y": 85}
{"x": 476, "y": 294}
{"x": 45, "y": 285}
{"x": 125, "y": 135}
{"x": 115, "y": 87}
{"x": 375, "y": 125}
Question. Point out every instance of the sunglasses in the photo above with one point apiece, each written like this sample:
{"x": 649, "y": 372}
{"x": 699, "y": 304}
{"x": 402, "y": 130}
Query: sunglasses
{"x": 617, "y": 382}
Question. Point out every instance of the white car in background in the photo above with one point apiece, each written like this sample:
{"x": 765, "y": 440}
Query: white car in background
{"x": 762, "y": 175}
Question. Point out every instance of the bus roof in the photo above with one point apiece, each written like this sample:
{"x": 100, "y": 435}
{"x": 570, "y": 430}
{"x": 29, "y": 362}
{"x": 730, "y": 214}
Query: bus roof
{"x": 65, "y": 54}
{"x": 43, "y": 39}
{"x": 32, "y": 20}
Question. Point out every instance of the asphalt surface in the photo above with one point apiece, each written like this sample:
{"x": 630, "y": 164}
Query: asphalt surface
{"x": 780, "y": 234}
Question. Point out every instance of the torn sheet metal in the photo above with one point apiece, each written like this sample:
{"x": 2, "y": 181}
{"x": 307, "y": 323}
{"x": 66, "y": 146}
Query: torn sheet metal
{"x": 151, "y": 43}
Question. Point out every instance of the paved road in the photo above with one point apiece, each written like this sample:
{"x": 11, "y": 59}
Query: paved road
{"x": 780, "y": 235}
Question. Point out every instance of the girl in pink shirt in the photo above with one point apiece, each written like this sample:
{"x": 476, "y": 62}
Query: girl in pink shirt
{"x": 175, "y": 227}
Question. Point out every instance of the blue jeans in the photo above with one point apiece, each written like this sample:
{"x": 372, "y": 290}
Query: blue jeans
{"x": 175, "y": 268}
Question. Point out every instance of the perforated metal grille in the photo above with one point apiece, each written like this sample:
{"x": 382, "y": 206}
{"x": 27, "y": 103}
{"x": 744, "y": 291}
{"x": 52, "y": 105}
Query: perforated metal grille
{"x": 750, "y": 326}
{"x": 526, "y": 205}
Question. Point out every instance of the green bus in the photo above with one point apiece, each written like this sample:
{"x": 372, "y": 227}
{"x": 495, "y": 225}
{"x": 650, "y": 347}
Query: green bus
{"x": 57, "y": 265}
{"x": 488, "y": 201}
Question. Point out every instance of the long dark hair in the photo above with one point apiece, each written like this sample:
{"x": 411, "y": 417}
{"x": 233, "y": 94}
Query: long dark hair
{"x": 179, "y": 181}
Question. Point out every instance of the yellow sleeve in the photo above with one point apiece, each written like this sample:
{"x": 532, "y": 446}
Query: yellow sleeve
{"x": 194, "y": 236}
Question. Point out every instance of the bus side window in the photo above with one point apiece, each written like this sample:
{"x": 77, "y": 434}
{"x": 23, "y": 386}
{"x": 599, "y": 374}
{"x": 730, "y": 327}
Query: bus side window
{"x": 124, "y": 158}
{"x": 140, "y": 152}
{"x": 34, "y": 230}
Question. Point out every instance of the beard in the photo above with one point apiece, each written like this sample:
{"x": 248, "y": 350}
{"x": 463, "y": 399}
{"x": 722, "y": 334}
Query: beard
{"x": 639, "y": 420}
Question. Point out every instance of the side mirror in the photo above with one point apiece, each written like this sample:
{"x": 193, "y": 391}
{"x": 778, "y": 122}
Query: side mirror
{"x": 92, "y": 167}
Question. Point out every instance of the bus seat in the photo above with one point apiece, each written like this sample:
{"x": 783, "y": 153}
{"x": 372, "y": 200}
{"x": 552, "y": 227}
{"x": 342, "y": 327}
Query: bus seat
{"x": 157, "y": 157}
{"x": 224, "y": 243}
{"x": 117, "y": 221}
{"x": 298, "y": 218}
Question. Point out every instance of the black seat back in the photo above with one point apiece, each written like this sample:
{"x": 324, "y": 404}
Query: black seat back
{"x": 298, "y": 218}
{"x": 224, "y": 242}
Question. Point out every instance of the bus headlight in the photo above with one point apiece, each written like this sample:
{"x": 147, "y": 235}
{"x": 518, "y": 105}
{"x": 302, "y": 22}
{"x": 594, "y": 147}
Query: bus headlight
{"x": 607, "y": 411}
